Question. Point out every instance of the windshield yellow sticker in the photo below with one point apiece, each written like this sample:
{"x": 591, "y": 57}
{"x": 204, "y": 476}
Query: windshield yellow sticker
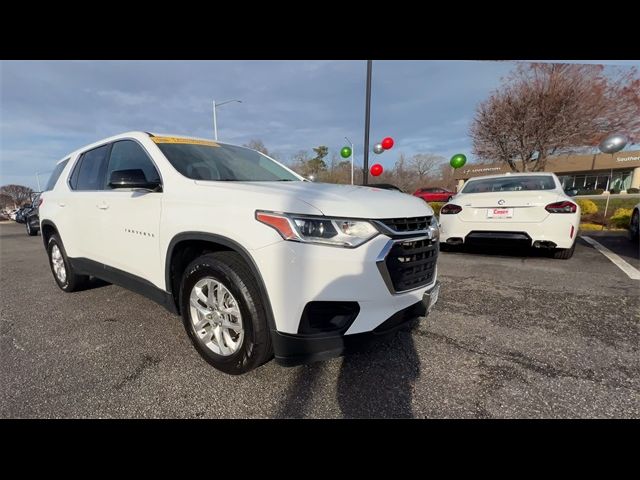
{"x": 191, "y": 141}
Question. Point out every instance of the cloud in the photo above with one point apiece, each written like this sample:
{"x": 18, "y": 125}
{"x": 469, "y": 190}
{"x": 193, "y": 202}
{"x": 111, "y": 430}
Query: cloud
{"x": 50, "y": 108}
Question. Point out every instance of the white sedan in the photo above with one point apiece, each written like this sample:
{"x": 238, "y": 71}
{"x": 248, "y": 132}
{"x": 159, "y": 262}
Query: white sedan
{"x": 528, "y": 209}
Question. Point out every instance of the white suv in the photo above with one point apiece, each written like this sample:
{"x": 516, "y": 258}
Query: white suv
{"x": 258, "y": 261}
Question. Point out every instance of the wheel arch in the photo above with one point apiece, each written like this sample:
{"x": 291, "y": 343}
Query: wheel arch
{"x": 47, "y": 229}
{"x": 214, "y": 242}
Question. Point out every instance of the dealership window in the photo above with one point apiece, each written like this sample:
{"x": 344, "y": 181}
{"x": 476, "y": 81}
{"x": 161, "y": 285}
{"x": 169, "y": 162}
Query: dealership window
{"x": 621, "y": 180}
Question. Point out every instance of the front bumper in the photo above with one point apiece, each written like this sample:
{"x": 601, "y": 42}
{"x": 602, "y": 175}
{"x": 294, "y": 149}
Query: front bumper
{"x": 295, "y": 274}
{"x": 292, "y": 349}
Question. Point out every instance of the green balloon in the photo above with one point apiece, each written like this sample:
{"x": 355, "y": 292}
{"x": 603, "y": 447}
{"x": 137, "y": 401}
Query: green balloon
{"x": 458, "y": 160}
{"x": 345, "y": 152}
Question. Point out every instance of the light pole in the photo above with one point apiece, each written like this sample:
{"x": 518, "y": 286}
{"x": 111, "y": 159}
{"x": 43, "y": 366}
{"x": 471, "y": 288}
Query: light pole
{"x": 612, "y": 144}
{"x": 38, "y": 179}
{"x": 352, "y": 156}
{"x": 367, "y": 124}
{"x": 216, "y": 105}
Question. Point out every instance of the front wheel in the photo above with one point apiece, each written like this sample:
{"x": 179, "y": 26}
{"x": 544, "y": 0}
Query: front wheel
{"x": 223, "y": 313}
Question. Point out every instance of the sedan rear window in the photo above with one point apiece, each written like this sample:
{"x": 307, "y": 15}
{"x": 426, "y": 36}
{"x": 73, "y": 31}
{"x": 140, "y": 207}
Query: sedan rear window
{"x": 510, "y": 184}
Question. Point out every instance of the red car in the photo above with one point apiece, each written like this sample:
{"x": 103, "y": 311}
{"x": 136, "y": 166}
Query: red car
{"x": 434, "y": 194}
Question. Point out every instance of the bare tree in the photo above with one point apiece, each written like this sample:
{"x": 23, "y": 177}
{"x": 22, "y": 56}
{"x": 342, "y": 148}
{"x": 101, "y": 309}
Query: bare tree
{"x": 424, "y": 164}
{"x": 18, "y": 193}
{"x": 6, "y": 201}
{"x": 257, "y": 144}
{"x": 549, "y": 109}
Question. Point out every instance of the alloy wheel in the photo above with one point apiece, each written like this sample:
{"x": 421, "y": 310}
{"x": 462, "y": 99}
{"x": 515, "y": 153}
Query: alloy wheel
{"x": 215, "y": 317}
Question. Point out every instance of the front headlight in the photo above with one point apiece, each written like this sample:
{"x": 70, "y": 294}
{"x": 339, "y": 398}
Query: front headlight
{"x": 339, "y": 232}
{"x": 434, "y": 228}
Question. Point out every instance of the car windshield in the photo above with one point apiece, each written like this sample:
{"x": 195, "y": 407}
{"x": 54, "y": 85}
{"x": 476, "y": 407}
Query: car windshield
{"x": 202, "y": 160}
{"x": 510, "y": 184}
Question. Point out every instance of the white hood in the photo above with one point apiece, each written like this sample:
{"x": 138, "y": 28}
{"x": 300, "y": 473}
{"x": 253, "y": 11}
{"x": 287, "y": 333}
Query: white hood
{"x": 335, "y": 200}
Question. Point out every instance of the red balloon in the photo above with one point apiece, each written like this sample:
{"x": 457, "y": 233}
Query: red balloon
{"x": 387, "y": 143}
{"x": 376, "y": 169}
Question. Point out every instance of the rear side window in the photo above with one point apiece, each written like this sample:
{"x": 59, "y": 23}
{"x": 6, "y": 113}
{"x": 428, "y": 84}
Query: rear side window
{"x": 56, "y": 175}
{"x": 89, "y": 172}
{"x": 128, "y": 155}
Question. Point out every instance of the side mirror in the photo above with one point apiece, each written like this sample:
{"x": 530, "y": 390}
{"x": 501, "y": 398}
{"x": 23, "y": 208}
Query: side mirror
{"x": 133, "y": 178}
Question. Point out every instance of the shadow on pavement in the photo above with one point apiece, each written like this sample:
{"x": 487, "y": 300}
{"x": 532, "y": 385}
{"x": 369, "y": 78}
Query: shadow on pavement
{"x": 376, "y": 383}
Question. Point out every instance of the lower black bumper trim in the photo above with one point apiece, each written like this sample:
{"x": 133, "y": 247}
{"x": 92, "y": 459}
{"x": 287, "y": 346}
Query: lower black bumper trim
{"x": 291, "y": 350}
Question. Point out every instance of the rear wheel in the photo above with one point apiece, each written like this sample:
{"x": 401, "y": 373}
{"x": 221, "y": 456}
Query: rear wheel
{"x": 32, "y": 232}
{"x": 223, "y": 313}
{"x": 63, "y": 274}
{"x": 564, "y": 253}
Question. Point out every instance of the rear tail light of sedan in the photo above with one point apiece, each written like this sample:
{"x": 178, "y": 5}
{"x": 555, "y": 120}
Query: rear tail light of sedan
{"x": 450, "y": 209}
{"x": 561, "y": 207}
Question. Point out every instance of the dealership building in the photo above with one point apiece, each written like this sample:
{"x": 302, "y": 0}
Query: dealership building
{"x": 619, "y": 171}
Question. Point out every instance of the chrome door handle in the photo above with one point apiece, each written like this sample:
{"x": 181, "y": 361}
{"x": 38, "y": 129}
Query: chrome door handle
{"x": 102, "y": 206}
{"x": 60, "y": 204}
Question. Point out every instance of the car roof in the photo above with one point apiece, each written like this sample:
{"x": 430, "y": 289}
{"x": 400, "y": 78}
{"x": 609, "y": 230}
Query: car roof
{"x": 139, "y": 134}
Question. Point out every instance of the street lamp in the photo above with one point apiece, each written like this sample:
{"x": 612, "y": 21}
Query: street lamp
{"x": 352, "y": 156}
{"x": 216, "y": 105}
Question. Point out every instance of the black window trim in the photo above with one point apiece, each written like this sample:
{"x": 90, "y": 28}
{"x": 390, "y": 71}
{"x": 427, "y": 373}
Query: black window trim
{"x": 78, "y": 164}
{"x": 146, "y": 152}
{"x": 79, "y": 155}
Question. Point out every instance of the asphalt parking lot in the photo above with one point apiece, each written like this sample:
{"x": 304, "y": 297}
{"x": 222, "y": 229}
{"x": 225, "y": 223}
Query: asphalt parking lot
{"x": 513, "y": 335}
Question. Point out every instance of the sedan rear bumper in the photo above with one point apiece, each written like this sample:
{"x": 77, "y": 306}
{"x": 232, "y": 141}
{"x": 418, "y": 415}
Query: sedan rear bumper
{"x": 559, "y": 229}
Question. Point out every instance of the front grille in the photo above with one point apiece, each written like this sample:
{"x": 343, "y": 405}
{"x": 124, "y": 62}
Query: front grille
{"x": 411, "y": 264}
{"x": 406, "y": 225}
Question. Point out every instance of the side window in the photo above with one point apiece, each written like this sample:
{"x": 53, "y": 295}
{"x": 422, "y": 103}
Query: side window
{"x": 56, "y": 174}
{"x": 129, "y": 155}
{"x": 89, "y": 172}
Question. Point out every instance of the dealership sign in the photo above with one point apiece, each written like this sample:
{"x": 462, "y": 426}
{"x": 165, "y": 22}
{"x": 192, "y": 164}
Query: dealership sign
{"x": 627, "y": 159}
{"x": 486, "y": 169}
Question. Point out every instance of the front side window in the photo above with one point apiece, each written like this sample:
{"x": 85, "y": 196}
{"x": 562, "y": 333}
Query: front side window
{"x": 56, "y": 174}
{"x": 510, "y": 184}
{"x": 212, "y": 161}
{"x": 89, "y": 172}
{"x": 129, "y": 155}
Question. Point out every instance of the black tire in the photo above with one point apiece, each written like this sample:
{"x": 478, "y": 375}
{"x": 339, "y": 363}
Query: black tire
{"x": 73, "y": 281}
{"x": 230, "y": 269}
{"x": 564, "y": 253}
{"x": 634, "y": 226}
{"x": 32, "y": 232}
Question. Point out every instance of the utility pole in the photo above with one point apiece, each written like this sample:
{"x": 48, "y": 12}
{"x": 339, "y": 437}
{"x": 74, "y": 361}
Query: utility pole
{"x": 367, "y": 124}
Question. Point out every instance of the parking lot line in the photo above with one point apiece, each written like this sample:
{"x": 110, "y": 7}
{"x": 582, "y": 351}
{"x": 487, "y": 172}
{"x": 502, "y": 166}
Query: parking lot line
{"x": 631, "y": 271}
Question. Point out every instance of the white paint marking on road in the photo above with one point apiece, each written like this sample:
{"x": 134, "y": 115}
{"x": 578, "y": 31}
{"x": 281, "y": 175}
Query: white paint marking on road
{"x": 623, "y": 265}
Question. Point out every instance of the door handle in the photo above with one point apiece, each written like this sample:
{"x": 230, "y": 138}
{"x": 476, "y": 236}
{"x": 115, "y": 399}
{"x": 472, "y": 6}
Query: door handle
{"x": 102, "y": 206}
{"x": 60, "y": 204}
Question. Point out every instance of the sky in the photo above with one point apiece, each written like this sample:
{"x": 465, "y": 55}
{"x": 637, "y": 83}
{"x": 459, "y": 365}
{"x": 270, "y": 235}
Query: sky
{"x": 50, "y": 108}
